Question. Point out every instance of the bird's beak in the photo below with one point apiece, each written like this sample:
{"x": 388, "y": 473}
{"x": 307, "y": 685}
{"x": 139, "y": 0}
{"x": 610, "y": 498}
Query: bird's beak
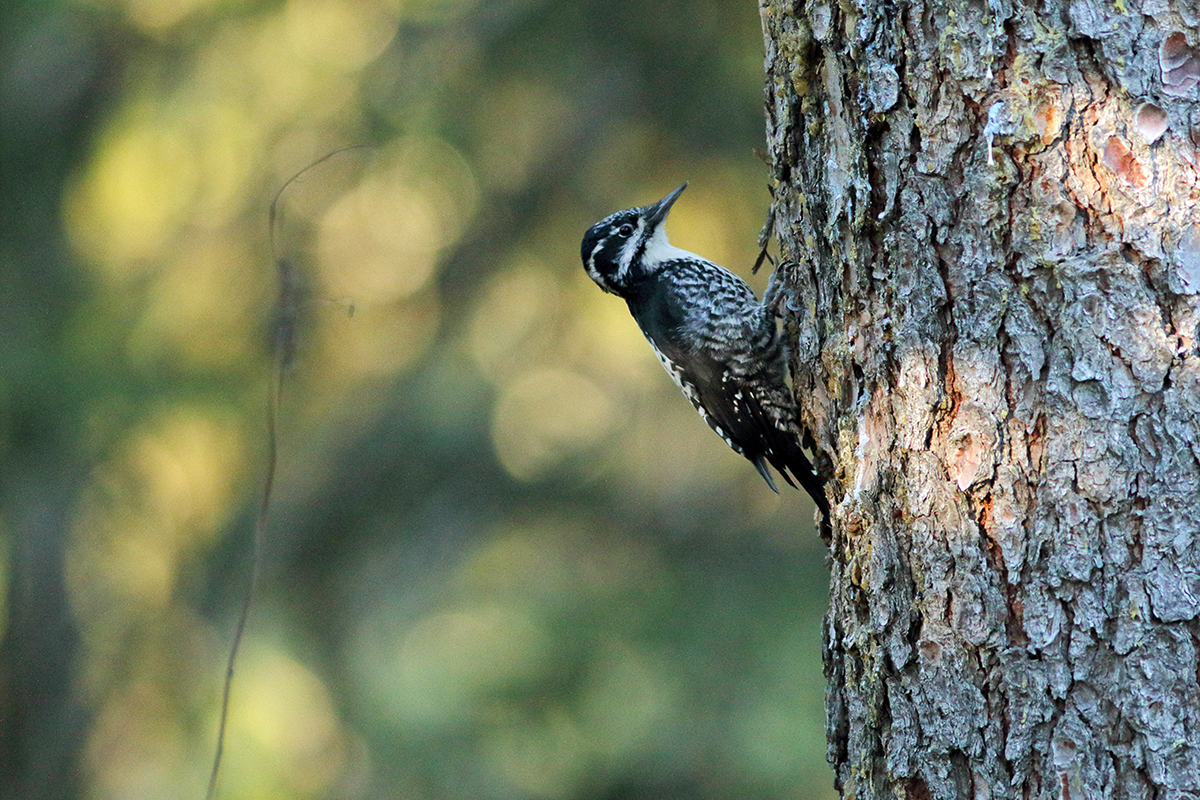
{"x": 658, "y": 212}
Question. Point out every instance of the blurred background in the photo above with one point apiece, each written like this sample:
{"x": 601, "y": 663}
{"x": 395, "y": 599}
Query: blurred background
{"x": 505, "y": 559}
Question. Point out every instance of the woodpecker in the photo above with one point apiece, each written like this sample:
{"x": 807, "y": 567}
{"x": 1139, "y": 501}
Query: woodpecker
{"x": 713, "y": 336}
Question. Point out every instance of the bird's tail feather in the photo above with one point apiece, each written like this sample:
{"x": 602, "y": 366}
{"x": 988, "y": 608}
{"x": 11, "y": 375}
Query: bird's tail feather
{"x": 785, "y": 454}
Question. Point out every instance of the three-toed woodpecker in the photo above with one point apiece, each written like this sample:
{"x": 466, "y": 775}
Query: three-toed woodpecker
{"x": 719, "y": 343}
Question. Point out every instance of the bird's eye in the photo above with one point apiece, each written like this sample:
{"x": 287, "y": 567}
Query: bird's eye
{"x": 625, "y": 231}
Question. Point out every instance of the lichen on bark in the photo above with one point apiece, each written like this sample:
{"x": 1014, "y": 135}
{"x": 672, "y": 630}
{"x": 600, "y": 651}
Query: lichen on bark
{"x": 987, "y": 214}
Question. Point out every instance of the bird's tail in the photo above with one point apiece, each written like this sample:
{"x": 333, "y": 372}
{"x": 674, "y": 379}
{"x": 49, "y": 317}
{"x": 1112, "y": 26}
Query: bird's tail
{"x": 797, "y": 469}
{"x": 784, "y": 452}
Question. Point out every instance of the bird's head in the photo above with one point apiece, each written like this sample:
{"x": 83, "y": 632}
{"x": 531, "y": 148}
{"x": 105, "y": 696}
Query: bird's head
{"x": 627, "y": 246}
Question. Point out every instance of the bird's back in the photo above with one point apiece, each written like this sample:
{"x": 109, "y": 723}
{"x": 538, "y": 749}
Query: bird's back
{"x": 724, "y": 351}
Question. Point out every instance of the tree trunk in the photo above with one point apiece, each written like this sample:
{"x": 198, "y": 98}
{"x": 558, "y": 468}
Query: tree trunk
{"x": 987, "y": 215}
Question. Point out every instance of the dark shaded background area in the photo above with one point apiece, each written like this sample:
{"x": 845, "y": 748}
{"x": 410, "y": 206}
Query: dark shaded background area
{"x": 506, "y": 560}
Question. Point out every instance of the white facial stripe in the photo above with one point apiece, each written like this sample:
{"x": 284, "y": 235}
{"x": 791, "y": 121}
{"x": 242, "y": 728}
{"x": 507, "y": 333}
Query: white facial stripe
{"x": 591, "y": 264}
{"x": 631, "y": 246}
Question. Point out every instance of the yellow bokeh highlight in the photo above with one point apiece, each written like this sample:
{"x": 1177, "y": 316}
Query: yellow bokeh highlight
{"x": 545, "y": 416}
{"x": 344, "y": 36}
{"x": 286, "y": 738}
{"x": 160, "y": 499}
{"x": 158, "y": 171}
{"x": 374, "y": 342}
{"x": 140, "y": 184}
{"x": 258, "y": 66}
{"x": 516, "y": 318}
{"x": 381, "y": 240}
{"x": 204, "y": 307}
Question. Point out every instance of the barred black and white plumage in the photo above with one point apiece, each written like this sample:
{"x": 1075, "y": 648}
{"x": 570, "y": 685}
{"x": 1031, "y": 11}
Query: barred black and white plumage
{"x": 713, "y": 336}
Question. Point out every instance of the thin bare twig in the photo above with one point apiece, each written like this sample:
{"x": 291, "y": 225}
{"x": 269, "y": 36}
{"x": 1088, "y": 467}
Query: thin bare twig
{"x": 287, "y": 303}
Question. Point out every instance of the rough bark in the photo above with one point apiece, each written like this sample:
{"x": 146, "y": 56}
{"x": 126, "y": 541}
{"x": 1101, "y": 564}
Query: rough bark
{"x": 989, "y": 216}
